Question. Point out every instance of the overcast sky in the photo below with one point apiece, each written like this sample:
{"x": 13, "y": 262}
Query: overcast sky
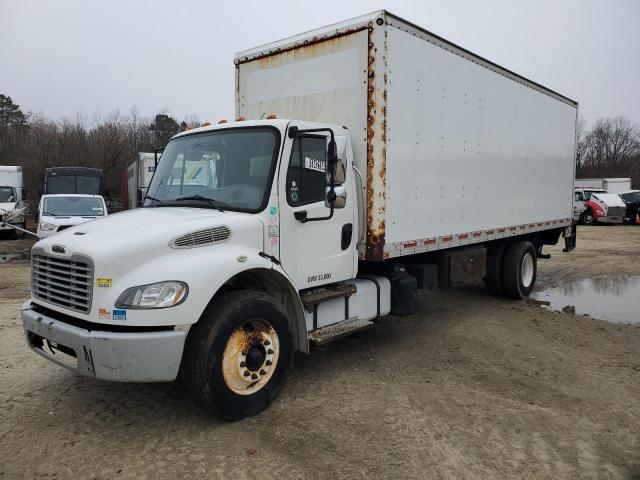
{"x": 62, "y": 57}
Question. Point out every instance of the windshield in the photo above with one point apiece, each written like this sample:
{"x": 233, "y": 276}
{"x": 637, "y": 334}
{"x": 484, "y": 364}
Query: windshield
{"x": 73, "y": 207}
{"x": 633, "y": 197}
{"x": 588, "y": 193}
{"x": 73, "y": 184}
{"x": 6, "y": 194}
{"x": 231, "y": 167}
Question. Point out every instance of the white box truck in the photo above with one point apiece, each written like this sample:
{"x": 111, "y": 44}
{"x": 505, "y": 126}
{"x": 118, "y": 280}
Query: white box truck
{"x": 609, "y": 185}
{"x": 368, "y": 159}
{"x": 12, "y": 200}
{"x": 139, "y": 173}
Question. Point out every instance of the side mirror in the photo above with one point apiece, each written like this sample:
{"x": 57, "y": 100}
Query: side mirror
{"x": 339, "y": 194}
{"x": 139, "y": 196}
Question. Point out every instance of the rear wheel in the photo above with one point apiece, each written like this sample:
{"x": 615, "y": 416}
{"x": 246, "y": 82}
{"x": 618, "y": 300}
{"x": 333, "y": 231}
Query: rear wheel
{"x": 519, "y": 269}
{"x": 238, "y": 355}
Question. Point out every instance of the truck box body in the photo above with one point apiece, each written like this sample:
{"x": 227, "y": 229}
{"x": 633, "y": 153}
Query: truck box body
{"x": 139, "y": 174}
{"x": 453, "y": 149}
{"x": 610, "y": 185}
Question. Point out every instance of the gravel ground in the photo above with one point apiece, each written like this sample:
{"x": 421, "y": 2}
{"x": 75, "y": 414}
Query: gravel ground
{"x": 470, "y": 387}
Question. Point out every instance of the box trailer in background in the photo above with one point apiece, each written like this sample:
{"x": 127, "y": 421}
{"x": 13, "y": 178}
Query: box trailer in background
{"x": 80, "y": 180}
{"x": 369, "y": 159}
{"x": 139, "y": 173}
{"x": 609, "y": 185}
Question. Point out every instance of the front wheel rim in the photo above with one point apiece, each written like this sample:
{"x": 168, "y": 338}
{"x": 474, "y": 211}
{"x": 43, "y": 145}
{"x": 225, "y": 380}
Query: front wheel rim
{"x": 250, "y": 356}
{"x": 527, "y": 270}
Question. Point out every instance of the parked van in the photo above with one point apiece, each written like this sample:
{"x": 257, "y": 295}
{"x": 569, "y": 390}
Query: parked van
{"x": 59, "y": 212}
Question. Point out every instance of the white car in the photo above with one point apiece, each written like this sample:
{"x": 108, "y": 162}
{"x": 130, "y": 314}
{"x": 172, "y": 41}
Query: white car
{"x": 59, "y": 212}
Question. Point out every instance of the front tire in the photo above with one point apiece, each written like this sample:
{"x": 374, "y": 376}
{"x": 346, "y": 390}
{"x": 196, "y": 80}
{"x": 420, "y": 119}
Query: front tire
{"x": 519, "y": 269}
{"x": 587, "y": 218}
{"x": 239, "y": 354}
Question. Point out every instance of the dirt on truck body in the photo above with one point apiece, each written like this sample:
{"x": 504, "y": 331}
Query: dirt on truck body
{"x": 471, "y": 386}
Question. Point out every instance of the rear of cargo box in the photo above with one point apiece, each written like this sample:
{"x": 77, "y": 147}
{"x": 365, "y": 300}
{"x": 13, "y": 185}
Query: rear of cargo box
{"x": 456, "y": 150}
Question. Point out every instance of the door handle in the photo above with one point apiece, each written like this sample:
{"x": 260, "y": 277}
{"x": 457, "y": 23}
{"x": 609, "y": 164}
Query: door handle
{"x": 301, "y": 215}
{"x": 347, "y": 233}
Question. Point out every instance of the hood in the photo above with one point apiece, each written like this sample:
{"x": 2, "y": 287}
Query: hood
{"x": 7, "y": 206}
{"x": 136, "y": 235}
{"x": 609, "y": 199}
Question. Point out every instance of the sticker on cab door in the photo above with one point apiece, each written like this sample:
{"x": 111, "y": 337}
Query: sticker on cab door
{"x": 119, "y": 314}
{"x": 104, "y": 282}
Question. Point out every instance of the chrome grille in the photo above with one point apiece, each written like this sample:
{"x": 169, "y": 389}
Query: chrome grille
{"x": 64, "y": 282}
{"x": 615, "y": 211}
{"x": 201, "y": 237}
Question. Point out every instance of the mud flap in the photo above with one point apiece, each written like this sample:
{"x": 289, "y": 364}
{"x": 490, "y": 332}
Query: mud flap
{"x": 569, "y": 234}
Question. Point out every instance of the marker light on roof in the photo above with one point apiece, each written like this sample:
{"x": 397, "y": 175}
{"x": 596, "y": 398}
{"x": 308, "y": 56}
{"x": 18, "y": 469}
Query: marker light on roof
{"x": 272, "y": 117}
{"x": 222, "y": 121}
{"x": 240, "y": 119}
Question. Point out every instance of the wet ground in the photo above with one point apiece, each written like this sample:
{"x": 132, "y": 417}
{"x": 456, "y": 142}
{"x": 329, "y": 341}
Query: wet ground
{"x": 470, "y": 387}
{"x": 616, "y": 299}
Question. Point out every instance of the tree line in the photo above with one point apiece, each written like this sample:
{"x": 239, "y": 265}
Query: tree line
{"x": 109, "y": 143}
{"x": 609, "y": 148}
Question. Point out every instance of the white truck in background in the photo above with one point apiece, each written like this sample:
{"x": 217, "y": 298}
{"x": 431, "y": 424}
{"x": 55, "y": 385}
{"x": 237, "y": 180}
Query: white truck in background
{"x": 12, "y": 200}
{"x": 368, "y": 159}
{"x": 138, "y": 176}
{"x": 609, "y": 185}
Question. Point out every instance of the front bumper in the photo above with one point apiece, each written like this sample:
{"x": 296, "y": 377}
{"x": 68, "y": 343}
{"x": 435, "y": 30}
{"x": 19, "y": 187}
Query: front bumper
{"x": 610, "y": 219}
{"x": 115, "y": 356}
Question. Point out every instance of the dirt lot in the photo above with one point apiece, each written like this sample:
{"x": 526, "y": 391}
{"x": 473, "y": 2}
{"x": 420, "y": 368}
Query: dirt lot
{"x": 471, "y": 387}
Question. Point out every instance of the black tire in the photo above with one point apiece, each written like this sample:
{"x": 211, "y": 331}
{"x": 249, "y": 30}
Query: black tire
{"x": 493, "y": 277}
{"x": 587, "y": 218}
{"x": 518, "y": 280}
{"x": 205, "y": 347}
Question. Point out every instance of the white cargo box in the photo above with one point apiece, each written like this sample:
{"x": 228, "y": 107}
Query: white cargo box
{"x": 454, "y": 148}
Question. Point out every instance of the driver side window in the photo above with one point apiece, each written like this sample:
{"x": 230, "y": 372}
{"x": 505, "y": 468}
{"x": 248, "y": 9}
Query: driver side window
{"x": 306, "y": 176}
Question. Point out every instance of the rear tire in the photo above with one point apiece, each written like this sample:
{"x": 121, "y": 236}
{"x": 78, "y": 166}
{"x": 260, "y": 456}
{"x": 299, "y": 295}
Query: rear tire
{"x": 519, "y": 269}
{"x": 239, "y": 354}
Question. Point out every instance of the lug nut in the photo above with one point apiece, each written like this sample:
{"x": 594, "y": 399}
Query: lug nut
{"x": 262, "y": 372}
{"x": 270, "y": 352}
{"x": 246, "y": 373}
{"x": 243, "y": 364}
{"x": 268, "y": 363}
{"x": 267, "y": 342}
{"x": 254, "y": 376}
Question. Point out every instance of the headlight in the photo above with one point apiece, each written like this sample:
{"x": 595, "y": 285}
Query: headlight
{"x": 47, "y": 227}
{"x": 155, "y": 295}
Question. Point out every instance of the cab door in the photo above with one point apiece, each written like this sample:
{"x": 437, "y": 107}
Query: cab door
{"x": 319, "y": 252}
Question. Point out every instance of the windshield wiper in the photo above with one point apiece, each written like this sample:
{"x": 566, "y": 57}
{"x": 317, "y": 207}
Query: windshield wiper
{"x": 214, "y": 203}
{"x": 160, "y": 202}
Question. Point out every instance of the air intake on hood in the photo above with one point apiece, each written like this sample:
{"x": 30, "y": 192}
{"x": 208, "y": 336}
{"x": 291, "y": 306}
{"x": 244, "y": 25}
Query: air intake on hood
{"x": 198, "y": 238}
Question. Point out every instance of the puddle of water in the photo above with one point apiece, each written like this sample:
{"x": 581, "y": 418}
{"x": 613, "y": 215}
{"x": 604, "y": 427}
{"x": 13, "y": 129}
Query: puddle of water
{"x": 609, "y": 298}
